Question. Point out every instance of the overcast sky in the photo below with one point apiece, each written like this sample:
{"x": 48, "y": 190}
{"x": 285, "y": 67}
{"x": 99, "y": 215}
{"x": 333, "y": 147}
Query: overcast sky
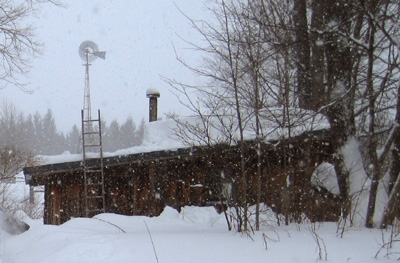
{"x": 138, "y": 37}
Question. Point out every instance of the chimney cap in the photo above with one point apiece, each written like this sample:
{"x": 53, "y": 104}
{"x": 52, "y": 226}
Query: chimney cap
{"x": 152, "y": 93}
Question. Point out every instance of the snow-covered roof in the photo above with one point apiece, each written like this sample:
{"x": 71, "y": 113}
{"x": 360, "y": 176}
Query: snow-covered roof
{"x": 152, "y": 92}
{"x": 167, "y": 134}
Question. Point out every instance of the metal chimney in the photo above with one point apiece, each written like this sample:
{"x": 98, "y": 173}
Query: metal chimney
{"x": 153, "y": 95}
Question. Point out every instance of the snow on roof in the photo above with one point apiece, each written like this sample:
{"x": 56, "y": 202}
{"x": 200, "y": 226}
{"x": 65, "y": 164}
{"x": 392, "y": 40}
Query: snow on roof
{"x": 152, "y": 92}
{"x": 217, "y": 129}
{"x": 157, "y": 137}
{"x": 166, "y": 134}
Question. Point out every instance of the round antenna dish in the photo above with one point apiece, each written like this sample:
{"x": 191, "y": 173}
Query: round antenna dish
{"x": 88, "y": 50}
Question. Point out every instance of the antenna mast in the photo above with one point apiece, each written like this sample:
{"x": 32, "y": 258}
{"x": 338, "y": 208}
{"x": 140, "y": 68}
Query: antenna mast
{"x": 88, "y": 51}
{"x": 87, "y": 108}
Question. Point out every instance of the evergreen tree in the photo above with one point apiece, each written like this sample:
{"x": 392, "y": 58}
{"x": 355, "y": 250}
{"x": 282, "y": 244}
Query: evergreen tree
{"x": 139, "y": 134}
{"x": 29, "y": 140}
{"x": 38, "y": 133}
{"x": 128, "y": 133}
{"x": 50, "y": 143}
{"x": 73, "y": 140}
{"x": 112, "y": 137}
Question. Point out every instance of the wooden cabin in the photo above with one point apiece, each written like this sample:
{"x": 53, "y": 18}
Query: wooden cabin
{"x": 144, "y": 183}
{"x": 165, "y": 172}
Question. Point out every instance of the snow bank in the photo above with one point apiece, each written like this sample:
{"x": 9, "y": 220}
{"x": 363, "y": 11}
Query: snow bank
{"x": 11, "y": 225}
{"x": 325, "y": 176}
{"x": 359, "y": 182}
{"x": 195, "y": 235}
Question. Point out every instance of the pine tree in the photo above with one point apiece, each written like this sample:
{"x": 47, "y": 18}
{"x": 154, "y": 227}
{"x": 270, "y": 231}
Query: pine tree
{"x": 73, "y": 140}
{"x": 128, "y": 133}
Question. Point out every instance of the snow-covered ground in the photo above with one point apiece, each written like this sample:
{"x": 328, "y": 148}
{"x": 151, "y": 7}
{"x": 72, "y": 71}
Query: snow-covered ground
{"x": 194, "y": 235}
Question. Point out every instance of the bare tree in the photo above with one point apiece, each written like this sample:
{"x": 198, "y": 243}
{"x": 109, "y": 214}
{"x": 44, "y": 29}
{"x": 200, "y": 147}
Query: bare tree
{"x": 286, "y": 61}
{"x": 12, "y": 160}
{"x": 18, "y": 42}
{"x": 352, "y": 53}
{"x": 220, "y": 103}
{"x": 384, "y": 21}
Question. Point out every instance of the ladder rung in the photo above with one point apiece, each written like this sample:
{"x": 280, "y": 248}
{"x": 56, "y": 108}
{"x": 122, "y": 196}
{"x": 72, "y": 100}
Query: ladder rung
{"x": 95, "y": 162}
{"x": 93, "y": 168}
{"x": 96, "y": 210}
{"x": 93, "y": 120}
{"x": 92, "y": 145}
{"x": 93, "y": 171}
{"x": 94, "y": 196}
{"x": 93, "y": 132}
{"x": 93, "y": 175}
{"x": 95, "y": 184}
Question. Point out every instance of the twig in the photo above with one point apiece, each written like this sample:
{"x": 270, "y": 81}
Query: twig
{"x": 388, "y": 244}
{"x": 151, "y": 239}
{"x": 267, "y": 238}
{"x": 322, "y": 253}
{"x": 265, "y": 241}
{"x": 123, "y": 231}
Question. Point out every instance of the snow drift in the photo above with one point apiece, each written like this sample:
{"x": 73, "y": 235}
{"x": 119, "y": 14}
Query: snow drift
{"x": 10, "y": 224}
{"x": 195, "y": 235}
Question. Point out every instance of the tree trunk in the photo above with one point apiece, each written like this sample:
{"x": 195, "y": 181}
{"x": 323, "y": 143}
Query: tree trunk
{"x": 319, "y": 97}
{"x": 340, "y": 113}
{"x": 302, "y": 49}
{"x": 394, "y": 184}
{"x": 372, "y": 143}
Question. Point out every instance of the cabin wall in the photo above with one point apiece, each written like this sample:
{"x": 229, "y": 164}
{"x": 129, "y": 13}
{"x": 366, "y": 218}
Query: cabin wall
{"x": 73, "y": 205}
{"x": 119, "y": 196}
{"x": 63, "y": 198}
{"x": 52, "y": 211}
{"x": 212, "y": 178}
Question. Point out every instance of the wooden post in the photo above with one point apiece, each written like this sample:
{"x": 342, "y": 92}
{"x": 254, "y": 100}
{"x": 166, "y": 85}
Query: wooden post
{"x": 31, "y": 195}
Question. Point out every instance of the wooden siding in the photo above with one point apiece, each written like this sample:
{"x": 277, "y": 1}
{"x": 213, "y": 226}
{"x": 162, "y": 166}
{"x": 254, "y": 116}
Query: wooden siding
{"x": 198, "y": 176}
